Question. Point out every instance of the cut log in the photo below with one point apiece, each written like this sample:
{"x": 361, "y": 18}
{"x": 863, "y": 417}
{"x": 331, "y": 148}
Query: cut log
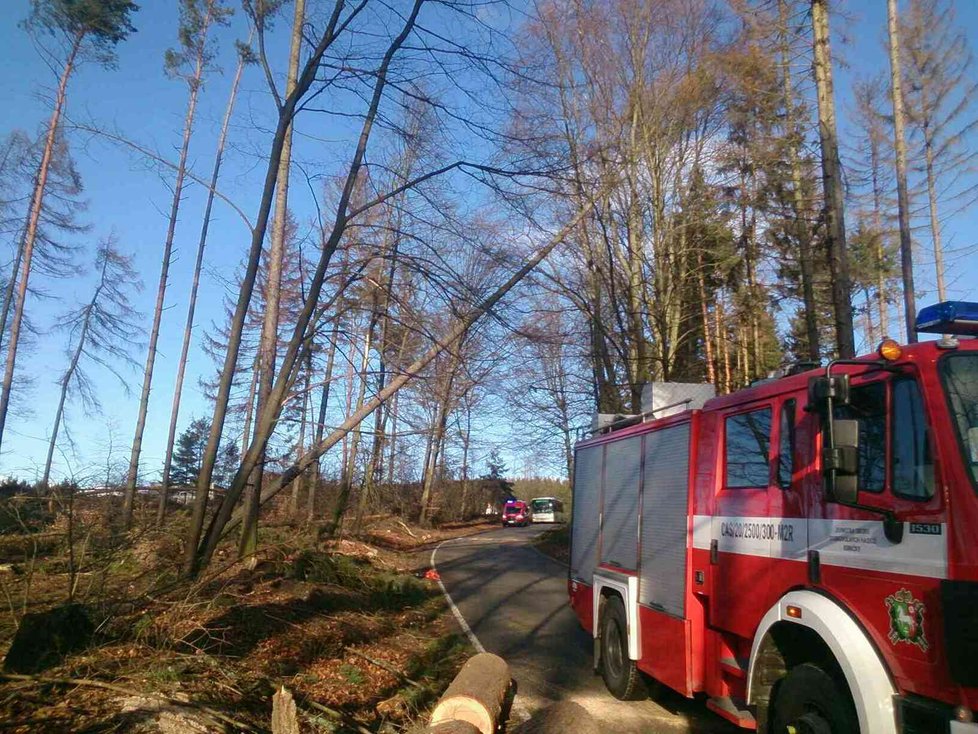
{"x": 285, "y": 717}
{"x": 477, "y": 693}
{"x": 557, "y": 718}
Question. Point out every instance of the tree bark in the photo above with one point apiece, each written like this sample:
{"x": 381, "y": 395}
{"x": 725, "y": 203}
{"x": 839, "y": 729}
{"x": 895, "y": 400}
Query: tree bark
{"x": 192, "y": 305}
{"x": 30, "y": 232}
{"x": 832, "y": 183}
{"x": 154, "y": 335}
{"x": 903, "y": 197}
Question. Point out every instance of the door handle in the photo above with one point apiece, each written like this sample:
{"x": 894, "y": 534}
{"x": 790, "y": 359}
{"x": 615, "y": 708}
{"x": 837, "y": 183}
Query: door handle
{"x": 714, "y": 552}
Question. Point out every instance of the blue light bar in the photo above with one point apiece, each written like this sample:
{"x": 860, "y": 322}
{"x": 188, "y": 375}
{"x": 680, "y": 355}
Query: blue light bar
{"x": 949, "y": 317}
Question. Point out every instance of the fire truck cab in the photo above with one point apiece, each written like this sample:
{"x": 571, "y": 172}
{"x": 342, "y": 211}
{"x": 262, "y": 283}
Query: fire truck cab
{"x": 804, "y": 551}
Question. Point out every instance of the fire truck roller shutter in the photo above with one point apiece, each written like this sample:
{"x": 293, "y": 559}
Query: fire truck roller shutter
{"x": 586, "y": 512}
{"x": 664, "y": 509}
{"x": 619, "y": 514}
{"x": 867, "y": 677}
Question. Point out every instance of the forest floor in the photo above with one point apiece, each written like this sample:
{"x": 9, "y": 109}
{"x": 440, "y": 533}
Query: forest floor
{"x": 352, "y": 628}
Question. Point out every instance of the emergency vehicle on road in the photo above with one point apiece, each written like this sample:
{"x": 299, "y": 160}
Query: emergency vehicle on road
{"x": 804, "y": 552}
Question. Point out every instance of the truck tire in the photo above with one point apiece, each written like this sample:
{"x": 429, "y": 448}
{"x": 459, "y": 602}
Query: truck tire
{"x": 620, "y": 673}
{"x": 809, "y": 701}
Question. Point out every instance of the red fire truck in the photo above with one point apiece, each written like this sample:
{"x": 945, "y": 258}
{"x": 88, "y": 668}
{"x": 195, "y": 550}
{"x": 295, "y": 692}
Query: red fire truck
{"x": 804, "y": 552}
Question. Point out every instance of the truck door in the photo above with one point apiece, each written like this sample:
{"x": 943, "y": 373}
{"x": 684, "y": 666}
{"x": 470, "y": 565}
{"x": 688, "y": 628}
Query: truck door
{"x": 889, "y": 572}
{"x": 741, "y": 544}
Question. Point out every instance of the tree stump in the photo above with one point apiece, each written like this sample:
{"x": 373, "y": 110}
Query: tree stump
{"x": 285, "y": 717}
{"x": 44, "y": 639}
{"x": 476, "y": 695}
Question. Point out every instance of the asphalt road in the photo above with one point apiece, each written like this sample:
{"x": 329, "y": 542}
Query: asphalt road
{"x": 514, "y": 599}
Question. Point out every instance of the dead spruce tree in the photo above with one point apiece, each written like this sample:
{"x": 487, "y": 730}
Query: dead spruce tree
{"x": 80, "y": 32}
{"x": 103, "y": 332}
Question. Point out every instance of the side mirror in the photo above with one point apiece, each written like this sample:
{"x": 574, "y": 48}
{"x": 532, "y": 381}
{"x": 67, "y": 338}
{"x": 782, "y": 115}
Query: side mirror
{"x": 820, "y": 389}
{"x": 840, "y": 463}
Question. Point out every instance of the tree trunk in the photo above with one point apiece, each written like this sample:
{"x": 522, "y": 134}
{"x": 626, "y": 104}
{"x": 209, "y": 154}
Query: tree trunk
{"x": 802, "y": 230}
{"x": 705, "y": 315}
{"x": 832, "y": 183}
{"x": 192, "y": 305}
{"x": 935, "y": 225}
{"x": 297, "y": 484}
{"x": 903, "y": 197}
{"x": 154, "y": 335}
{"x": 880, "y": 254}
{"x": 321, "y": 421}
{"x": 268, "y": 348}
{"x": 30, "y": 232}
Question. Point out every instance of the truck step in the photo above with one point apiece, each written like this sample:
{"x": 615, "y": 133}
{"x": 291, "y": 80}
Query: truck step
{"x": 731, "y": 710}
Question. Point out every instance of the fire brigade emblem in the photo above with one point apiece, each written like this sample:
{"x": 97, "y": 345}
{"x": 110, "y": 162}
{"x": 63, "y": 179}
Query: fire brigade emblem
{"x": 906, "y": 619}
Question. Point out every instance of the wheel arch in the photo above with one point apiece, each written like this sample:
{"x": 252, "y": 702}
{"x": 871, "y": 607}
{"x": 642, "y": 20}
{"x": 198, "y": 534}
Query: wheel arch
{"x": 625, "y": 587}
{"x": 821, "y": 630}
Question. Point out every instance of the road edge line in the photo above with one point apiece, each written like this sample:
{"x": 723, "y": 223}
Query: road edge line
{"x": 455, "y": 610}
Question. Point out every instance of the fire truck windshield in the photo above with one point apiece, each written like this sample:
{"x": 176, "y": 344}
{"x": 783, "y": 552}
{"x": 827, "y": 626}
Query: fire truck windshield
{"x": 960, "y": 375}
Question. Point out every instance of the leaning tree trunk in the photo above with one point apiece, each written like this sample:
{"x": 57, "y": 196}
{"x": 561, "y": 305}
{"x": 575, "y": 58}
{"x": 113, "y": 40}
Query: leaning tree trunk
{"x": 273, "y": 291}
{"x": 226, "y": 523}
{"x": 832, "y": 183}
{"x": 30, "y": 232}
{"x": 903, "y": 197}
{"x": 192, "y": 305}
{"x": 154, "y": 334}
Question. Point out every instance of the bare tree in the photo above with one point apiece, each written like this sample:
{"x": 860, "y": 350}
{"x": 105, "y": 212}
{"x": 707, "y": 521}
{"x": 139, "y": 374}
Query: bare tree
{"x": 103, "y": 332}
{"x": 82, "y": 31}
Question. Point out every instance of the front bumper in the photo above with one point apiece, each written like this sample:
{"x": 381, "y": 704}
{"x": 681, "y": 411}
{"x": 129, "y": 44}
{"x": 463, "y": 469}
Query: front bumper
{"x": 918, "y": 715}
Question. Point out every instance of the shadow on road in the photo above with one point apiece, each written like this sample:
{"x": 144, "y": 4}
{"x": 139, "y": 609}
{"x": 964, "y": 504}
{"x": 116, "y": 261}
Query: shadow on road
{"x": 515, "y": 600}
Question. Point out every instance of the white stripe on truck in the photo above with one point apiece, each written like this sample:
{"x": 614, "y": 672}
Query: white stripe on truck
{"x": 845, "y": 543}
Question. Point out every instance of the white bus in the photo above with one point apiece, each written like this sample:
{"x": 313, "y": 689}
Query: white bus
{"x": 547, "y": 509}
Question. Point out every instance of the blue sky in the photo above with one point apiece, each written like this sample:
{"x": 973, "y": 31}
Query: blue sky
{"x": 130, "y": 198}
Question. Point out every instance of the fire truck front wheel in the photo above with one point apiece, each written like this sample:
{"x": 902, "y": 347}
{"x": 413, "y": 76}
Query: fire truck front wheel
{"x": 809, "y": 701}
{"x": 620, "y": 673}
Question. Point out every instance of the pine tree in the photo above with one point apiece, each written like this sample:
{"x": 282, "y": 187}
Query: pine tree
{"x": 189, "y": 453}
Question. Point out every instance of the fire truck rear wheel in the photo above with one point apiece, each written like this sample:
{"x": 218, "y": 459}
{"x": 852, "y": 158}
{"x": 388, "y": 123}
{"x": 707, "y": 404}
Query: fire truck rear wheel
{"x": 620, "y": 673}
{"x": 809, "y": 701}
